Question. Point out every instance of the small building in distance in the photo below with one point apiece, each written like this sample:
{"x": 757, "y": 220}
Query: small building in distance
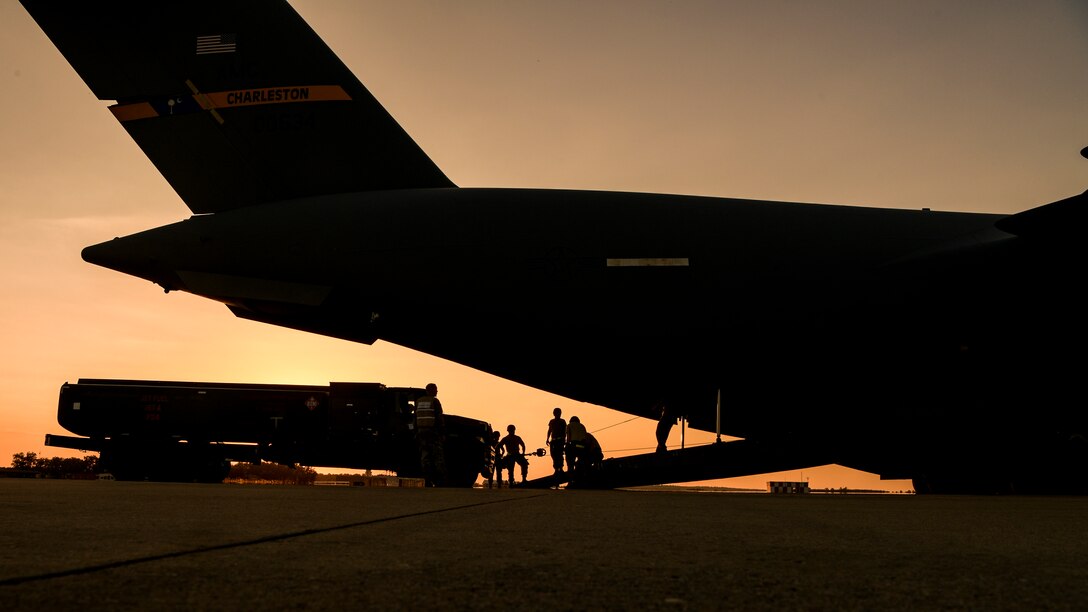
{"x": 783, "y": 486}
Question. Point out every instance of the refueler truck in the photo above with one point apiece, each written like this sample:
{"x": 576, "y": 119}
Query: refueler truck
{"x": 192, "y": 431}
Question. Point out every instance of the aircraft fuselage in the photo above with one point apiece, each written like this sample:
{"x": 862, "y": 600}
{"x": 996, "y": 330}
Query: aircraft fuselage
{"x": 818, "y": 315}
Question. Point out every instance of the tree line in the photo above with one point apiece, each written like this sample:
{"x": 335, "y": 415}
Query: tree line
{"x": 271, "y": 473}
{"x": 85, "y": 467}
{"x": 55, "y": 467}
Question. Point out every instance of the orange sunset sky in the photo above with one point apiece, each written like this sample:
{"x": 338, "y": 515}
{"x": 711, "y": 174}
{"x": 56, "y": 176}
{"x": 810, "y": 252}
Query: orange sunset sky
{"x": 956, "y": 106}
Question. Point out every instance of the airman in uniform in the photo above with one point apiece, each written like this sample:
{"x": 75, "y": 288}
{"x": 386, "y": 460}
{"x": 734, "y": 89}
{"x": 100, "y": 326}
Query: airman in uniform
{"x": 430, "y": 435}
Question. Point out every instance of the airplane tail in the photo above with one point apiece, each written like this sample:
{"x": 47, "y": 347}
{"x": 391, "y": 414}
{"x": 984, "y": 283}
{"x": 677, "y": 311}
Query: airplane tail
{"x": 236, "y": 103}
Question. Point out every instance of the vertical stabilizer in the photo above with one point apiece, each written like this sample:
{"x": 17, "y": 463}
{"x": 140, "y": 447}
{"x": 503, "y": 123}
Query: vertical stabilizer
{"x": 235, "y": 102}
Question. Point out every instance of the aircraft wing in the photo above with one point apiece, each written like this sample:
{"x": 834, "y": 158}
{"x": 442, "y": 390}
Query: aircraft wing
{"x": 235, "y": 106}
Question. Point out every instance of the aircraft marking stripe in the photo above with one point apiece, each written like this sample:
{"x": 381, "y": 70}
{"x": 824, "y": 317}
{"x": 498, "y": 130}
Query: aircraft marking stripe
{"x": 274, "y": 95}
{"x": 199, "y": 101}
{"x": 202, "y": 100}
{"x": 131, "y": 112}
{"x": 647, "y": 262}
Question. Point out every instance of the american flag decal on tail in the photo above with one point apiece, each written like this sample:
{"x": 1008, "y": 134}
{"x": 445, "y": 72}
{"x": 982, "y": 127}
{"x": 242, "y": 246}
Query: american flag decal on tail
{"x": 216, "y": 43}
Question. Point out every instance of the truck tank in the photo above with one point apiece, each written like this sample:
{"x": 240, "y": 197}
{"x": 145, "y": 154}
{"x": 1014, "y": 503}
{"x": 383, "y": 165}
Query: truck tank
{"x": 191, "y": 431}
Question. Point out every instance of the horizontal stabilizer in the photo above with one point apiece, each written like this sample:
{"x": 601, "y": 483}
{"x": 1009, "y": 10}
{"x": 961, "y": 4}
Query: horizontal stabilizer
{"x": 235, "y": 102}
{"x": 1055, "y": 220}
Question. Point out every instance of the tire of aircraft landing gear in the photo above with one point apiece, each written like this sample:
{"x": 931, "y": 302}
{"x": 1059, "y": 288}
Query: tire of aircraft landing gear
{"x": 1054, "y": 464}
{"x": 956, "y": 484}
{"x": 1018, "y": 483}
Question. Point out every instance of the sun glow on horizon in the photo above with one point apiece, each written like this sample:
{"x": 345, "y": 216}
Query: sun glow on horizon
{"x": 898, "y": 106}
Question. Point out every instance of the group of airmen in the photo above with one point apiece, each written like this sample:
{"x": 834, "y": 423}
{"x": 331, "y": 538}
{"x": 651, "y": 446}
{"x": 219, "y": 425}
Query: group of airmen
{"x": 566, "y": 442}
{"x": 569, "y": 442}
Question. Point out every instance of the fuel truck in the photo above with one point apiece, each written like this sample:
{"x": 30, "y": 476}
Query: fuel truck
{"x": 192, "y": 431}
